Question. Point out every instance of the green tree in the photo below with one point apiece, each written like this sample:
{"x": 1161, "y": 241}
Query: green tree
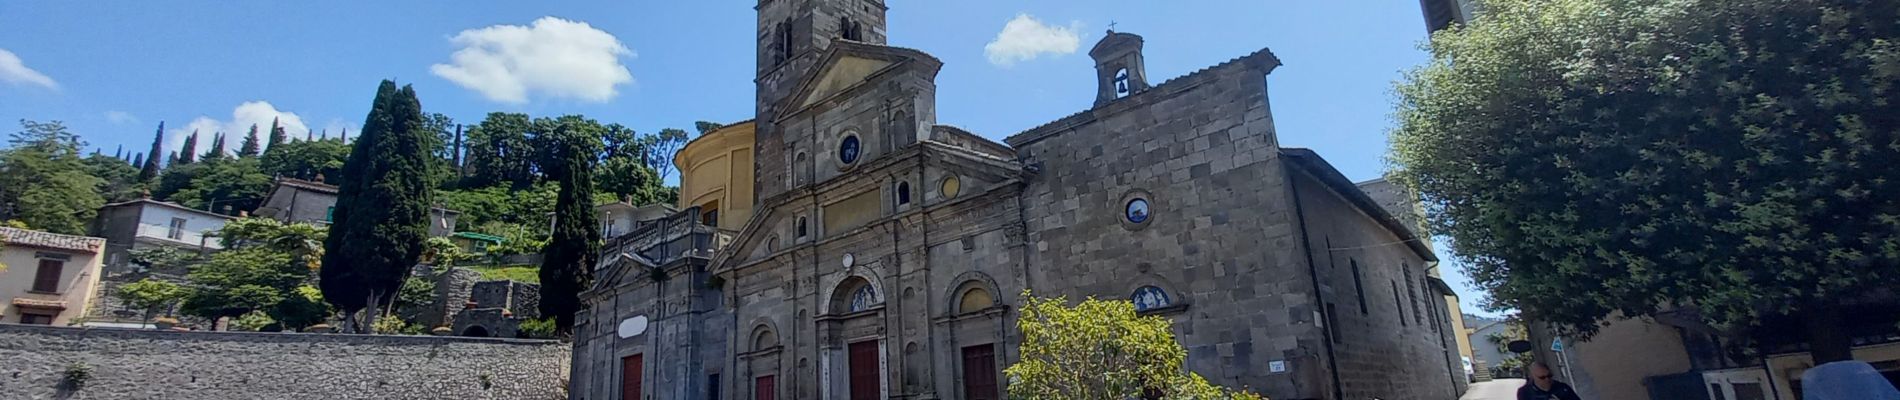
{"x": 382, "y": 210}
{"x": 188, "y": 152}
{"x": 305, "y": 159}
{"x": 1101, "y": 350}
{"x": 442, "y": 252}
{"x": 152, "y": 296}
{"x": 1593, "y": 156}
{"x": 570, "y": 145}
{"x": 277, "y": 136}
{"x": 149, "y": 169}
{"x": 627, "y": 177}
{"x": 217, "y": 183}
{"x": 45, "y": 183}
{"x": 660, "y": 148}
{"x": 499, "y": 152}
{"x": 249, "y": 147}
{"x": 238, "y": 281}
{"x": 118, "y": 180}
{"x": 441, "y": 135}
{"x": 217, "y": 149}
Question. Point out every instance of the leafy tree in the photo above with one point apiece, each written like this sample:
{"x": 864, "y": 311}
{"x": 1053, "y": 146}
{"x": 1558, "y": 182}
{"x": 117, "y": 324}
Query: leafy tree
{"x": 149, "y": 169}
{"x": 305, "y": 159}
{"x": 570, "y": 145}
{"x": 118, "y": 181}
{"x": 705, "y": 127}
{"x": 238, "y": 281}
{"x": 1101, "y": 350}
{"x": 45, "y": 183}
{"x": 627, "y": 177}
{"x": 441, "y": 134}
{"x": 1593, "y": 156}
{"x": 442, "y": 252}
{"x": 382, "y": 210}
{"x": 217, "y": 149}
{"x": 254, "y": 321}
{"x": 152, "y": 296}
{"x": 188, "y": 152}
{"x": 217, "y": 183}
{"x": 499, "y": 152}
{"x": 277, "y": 136}
{"x": 660, "y": 148}
{"x": 302, "y": 308}
{"x": 249, "y": 148}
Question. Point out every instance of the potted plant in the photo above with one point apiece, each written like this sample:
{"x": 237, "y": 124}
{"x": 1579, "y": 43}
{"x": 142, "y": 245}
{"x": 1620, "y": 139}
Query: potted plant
{"x": 441, "y": 330}
{"x": 165, "y": 323}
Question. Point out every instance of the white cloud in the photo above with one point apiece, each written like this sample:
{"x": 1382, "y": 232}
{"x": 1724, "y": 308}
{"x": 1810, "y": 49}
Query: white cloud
{"x": 553, "y": 57}
{"x": 14, "y": 71}
{"x": 251, "y": 112}
{"x": 1024, "y": 38}
{"x": 121, "y": 118}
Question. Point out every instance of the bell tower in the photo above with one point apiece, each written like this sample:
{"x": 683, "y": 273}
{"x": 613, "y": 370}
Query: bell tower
{"x": 792, "y": 36}
{"x": 1119, "y": 70}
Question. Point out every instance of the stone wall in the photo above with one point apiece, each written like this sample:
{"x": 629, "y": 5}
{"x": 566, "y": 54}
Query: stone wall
{"x": 146, "y": 364}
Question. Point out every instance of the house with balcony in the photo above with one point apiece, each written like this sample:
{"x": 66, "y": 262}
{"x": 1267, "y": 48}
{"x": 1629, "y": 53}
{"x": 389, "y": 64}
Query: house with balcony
{"x": 48, "y": 278}
{"x": 139, "y": 225}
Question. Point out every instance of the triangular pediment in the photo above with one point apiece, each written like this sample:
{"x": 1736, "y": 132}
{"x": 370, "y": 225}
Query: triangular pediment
{"x": 849, "y": 65}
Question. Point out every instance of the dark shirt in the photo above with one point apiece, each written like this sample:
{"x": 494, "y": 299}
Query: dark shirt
{"x": 1558, "y": 391}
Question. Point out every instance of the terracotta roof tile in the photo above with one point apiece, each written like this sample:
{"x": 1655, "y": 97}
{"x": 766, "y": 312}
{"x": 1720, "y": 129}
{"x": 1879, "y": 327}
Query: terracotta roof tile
{"x": 23, "y": 237}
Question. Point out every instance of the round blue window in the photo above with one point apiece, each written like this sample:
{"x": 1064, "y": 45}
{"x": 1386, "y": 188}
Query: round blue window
{"x": 1137, "y": 211}
{"x": 849, "y": 149}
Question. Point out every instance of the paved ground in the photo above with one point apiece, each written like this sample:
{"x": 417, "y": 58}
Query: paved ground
{"x": 1496, "y": 389}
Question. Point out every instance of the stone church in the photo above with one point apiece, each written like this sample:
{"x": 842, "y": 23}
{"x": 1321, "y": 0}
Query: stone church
{"x": 844, "y": 244}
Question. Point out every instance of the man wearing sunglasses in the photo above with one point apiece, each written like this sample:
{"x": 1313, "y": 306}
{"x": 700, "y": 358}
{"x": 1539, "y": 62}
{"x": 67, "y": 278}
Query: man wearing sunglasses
{"x": 1544, "y": 387}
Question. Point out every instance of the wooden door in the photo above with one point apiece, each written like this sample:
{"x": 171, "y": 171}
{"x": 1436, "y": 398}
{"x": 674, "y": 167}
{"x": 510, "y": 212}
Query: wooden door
{"x": 765, "y": 388}
{"x": 864, "y": 371}
{"x": 630, "y": 377}
{"x": 979, "y": 373}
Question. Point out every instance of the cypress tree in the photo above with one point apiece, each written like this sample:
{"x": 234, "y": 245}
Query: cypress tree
{"x": 277, "y": 135}
{"x": 250, "y": 146}
{"x": 571, "y": 144}
{"x": 382, "y": 210}
{"x": 149, "y": 168}
{"x": 188, "y": 153}
{"x": 217, "y": 148}
{"x": 171, "y": 159}
{"x": 138, "y": 158}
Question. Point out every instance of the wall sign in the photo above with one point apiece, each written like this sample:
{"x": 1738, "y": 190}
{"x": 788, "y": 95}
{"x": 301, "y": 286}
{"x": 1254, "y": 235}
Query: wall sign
{"x": 633, "y": 326}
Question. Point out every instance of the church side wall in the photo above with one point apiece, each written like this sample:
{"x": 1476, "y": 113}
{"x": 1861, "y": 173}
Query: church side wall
{"x": 1387, "y": 351}
{"x": 1220, "y": 241}
{"x": 148, "y": 364}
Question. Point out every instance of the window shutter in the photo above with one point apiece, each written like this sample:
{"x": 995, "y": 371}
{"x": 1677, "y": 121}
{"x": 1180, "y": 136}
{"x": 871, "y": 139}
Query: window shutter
{"x": 48, "y": 278}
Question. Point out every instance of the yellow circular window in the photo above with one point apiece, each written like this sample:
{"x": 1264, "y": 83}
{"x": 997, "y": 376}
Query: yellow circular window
{"x": 951, "y": 186}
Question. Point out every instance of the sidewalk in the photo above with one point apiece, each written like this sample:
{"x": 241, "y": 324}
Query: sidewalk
{"x": 1497, "y": 389}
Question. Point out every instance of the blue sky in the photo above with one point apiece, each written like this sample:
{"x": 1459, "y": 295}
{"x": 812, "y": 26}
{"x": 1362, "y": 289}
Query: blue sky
{"x": 113, "y": 69}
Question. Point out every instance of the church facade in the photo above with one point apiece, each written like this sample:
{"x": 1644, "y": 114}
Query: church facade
{"x": 883, "y": 252}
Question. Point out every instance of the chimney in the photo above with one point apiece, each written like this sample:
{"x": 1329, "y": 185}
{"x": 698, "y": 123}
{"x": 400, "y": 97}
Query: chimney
{"x": 1119, "y": 70}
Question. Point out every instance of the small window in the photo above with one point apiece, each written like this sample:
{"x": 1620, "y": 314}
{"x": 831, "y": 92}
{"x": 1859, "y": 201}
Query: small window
{"x": 177, "y": 231}
{"x": 802, "y": 228}
{"x": 1398, "y": 303}
{"x": 1137, "y": 210}
{"x": 35, "y": 319}
{"x": 712, "y": 387}
{"x": 1150, "y": 298}
{"x": 1360, "y": 286}
{"x": 903, "y": 193}
{"x": 47, "y": 279}
{"x": 850, "y": 149}
{"x": 950, "y": 187}
{"x": 329, "y": 214}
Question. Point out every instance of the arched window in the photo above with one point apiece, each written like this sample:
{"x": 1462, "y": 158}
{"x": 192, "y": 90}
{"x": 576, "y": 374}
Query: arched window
{"x": 973, "y": 300}
{"x": 1121, "y": 83}
{"x": 903, "y": 193}
{"x": 1150, "y": 298}
{"x": 763, "y": 338}
{"x": 850, "y": 30}
{"x": 801, "y": 227}
{"x": 784, "y": 45}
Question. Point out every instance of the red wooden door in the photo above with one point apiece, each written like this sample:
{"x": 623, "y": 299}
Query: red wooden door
{"x": 765, "y": 388}
{"x": 864, "y": 371}
{"x": 979, "y": 372}
{"x": 630, "y": 377}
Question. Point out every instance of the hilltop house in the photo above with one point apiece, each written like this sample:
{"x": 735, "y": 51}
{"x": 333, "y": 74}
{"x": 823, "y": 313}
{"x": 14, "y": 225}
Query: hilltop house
{"x": 49, "y": 278}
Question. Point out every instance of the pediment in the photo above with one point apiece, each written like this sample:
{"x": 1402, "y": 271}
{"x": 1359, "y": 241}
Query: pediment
{"x": 848, "y": 65}
{"x": 845, "y": 73}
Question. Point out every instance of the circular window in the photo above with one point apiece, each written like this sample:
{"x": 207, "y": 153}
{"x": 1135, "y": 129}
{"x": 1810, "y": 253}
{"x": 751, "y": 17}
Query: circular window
{"x": 1137, "y": 210}
{"x": 849, "y": 149}
{"x": 951, "y": 186}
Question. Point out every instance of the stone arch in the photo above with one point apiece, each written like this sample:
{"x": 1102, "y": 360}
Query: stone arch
{"x": 476, "y": 331}
{"x": 764, "y": 335}
{"x": 841, "y": 294}
{"x": 1148, "y": 278}
{"x": 967, "y": 282}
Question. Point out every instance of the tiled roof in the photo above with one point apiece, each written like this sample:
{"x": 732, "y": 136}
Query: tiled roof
{"x": 23, "y": 237}
{"x": 166, "y": 204}
{"x": 308, "y": 185}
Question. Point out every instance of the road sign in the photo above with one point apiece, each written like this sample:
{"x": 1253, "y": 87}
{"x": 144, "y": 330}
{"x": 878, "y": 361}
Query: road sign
{"x": 1556, "y": 345}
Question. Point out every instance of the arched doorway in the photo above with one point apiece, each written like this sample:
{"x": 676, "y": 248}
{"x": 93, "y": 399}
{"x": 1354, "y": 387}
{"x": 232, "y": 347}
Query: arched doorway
{"x": 475, "y": 331}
